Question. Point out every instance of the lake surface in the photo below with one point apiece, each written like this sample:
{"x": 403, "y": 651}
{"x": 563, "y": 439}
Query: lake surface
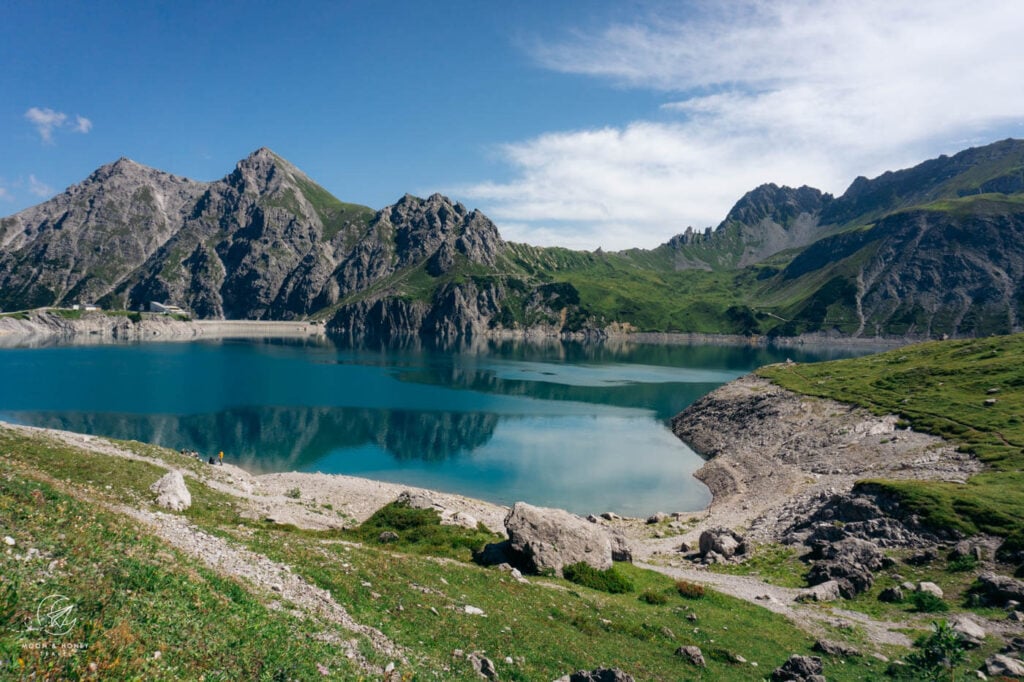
{"x": 577, "y": 426}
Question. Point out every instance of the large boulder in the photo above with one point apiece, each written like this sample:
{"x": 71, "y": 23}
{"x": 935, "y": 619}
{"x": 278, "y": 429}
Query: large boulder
{"x": 721, "y": 541}
{"x": 543, "y": 540}
{"x": 171, "y": 492}
{"x": 799, "y": 669}
{"x": 999, "y": 665}
{"x": 997, "y": 590}
{"x": 849, "y": 562}
{"x": 969, "y": 632}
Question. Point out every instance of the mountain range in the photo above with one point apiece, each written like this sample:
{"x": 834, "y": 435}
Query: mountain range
{"x": 934, "y": 250}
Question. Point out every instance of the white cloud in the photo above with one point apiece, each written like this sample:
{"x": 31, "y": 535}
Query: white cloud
{"x": 47, "y": 121}
{"x": 795, "y": 92}
{"x": 5, "y": 195}
{"x": 39, "y": 188}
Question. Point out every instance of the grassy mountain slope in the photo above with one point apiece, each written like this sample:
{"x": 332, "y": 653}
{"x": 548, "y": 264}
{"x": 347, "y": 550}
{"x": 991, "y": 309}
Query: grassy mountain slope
{"x": 136, "y": 595}
{"x": 969, "y": 392}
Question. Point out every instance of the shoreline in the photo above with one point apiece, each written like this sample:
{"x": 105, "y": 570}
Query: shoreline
{"x": 46, "y": 327}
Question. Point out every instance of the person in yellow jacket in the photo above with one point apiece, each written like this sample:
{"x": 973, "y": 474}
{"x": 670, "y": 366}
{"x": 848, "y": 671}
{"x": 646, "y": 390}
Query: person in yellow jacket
{"x": 221, "y": 457}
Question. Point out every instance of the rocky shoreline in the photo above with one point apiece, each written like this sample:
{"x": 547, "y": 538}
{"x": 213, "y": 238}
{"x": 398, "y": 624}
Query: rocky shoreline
{"x": 46, "y": 327}
{"x": 42, "y": 327}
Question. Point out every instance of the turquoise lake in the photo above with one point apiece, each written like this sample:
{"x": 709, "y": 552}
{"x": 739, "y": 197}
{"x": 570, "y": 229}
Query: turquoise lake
{"x": 577, "y": 426}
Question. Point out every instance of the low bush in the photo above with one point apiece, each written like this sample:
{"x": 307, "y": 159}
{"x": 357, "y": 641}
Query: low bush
{"x": 689, "y": 590}
{"x": 606, "y": 581}
{"x": 653, "y": 597}
{"x": 420, "y": 530}
{"x": 926, "y": 602}
{"x": 961, "y": 564}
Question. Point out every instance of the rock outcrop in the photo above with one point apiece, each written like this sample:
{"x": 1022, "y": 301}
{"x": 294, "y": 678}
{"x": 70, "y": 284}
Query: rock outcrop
{"x": 545, "y": 540}
{"x": 799, "y": 669}
{"x": 171, "y": 492}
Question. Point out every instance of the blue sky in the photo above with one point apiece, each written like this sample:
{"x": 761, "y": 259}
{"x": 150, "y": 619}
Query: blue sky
{"x": 584, "y": 124}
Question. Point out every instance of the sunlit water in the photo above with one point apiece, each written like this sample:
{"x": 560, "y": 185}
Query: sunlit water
{"x": 583, "y": 427}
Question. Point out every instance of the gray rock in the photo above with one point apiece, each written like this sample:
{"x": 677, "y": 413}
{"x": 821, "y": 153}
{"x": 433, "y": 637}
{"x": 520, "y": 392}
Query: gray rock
{"x": 1000, "y": 665}
{"x": 852, "y": 579}
{"x": 798, "y": 669}
{"x": 547, "y": 539}
{"x": 621, "y": 550}
{"x": 838, "y": 649}
{"x": 969, "y": 631}
{"x": 600, "y": 675}
{"x": 610, "y": 516}
{"x": 483, "y": 666}
{"x": 822, "y": 592}
{"x": 387, "y": 536}
{"x": 722, "y": 541}
{"x": 966, "y": 548}
{"x": 997, "y": 590}
{"x": 930, "y": 588}
{"x": 171, "y": 492}
{"x": 693, "y": 654}
{"x": 657, "y": 517}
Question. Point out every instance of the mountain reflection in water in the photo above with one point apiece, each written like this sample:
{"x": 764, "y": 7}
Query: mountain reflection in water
{"x": 579, "y": 426}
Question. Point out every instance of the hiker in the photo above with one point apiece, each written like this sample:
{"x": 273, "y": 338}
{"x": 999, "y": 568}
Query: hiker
{"x": 222, "y": 458}
{"x": 210, "y": 461}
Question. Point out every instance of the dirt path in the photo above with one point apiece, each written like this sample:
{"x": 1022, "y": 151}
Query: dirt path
{"x": 271, "y": 577}
{"x": 813, "y": 618}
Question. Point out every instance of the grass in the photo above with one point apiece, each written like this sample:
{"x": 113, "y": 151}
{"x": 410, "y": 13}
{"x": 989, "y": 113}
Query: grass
{"x": 140, "y": 609}
{"x": 942, "y": 388}
{"x": 773, "y": 563}
{"x": 608, "y": 580}
{"x": 204, "y": 622}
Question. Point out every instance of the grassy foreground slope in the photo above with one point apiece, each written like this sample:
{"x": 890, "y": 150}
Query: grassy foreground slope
{"x": 136, "y": 595}
{"x": 970, "y": 392}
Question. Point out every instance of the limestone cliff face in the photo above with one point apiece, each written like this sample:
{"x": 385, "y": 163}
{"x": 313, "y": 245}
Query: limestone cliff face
{"x": 256, "y": 245}
{"x": 83, "y": 243}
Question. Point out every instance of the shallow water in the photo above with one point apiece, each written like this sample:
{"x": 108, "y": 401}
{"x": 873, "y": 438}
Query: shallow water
{"x": 577, "y": 426}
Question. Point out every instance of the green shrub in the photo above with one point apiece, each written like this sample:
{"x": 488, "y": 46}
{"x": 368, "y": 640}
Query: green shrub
{"x": 420, "y": 530}
{"x": 653, "y": 597}
{"x": 926, "y": 602}
{"x": 606, "y": 581}
{"x": 689, "y": 590}
{"x": 968, "y": 562}
{"x": 294, "y": 493}
{"x": 939, "y": 655}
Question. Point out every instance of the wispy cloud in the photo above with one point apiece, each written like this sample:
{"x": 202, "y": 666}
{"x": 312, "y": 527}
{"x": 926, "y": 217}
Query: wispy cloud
{"x": 82, "y": 124}
{"x": 47, "y": 122}
{"x": 39, "y": 188}
{"x": 794, "y": 92}
{"x": 5, "y": 194}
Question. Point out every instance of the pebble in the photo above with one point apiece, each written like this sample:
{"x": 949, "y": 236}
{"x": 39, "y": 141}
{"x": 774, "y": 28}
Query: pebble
{"x": 9, "y": 541}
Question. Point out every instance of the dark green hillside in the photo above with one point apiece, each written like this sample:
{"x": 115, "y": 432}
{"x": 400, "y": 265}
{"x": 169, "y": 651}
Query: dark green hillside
{"x": 954, "y": 266}
{"x": 970, "y": 392}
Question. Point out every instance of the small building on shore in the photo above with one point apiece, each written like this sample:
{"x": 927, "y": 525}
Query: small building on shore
{"x": 87, "y": 307}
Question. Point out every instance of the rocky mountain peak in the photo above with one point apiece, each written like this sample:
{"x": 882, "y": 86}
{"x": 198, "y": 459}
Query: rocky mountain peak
{"x": 780, "y": 205}
{"x": 261, "y": 171}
